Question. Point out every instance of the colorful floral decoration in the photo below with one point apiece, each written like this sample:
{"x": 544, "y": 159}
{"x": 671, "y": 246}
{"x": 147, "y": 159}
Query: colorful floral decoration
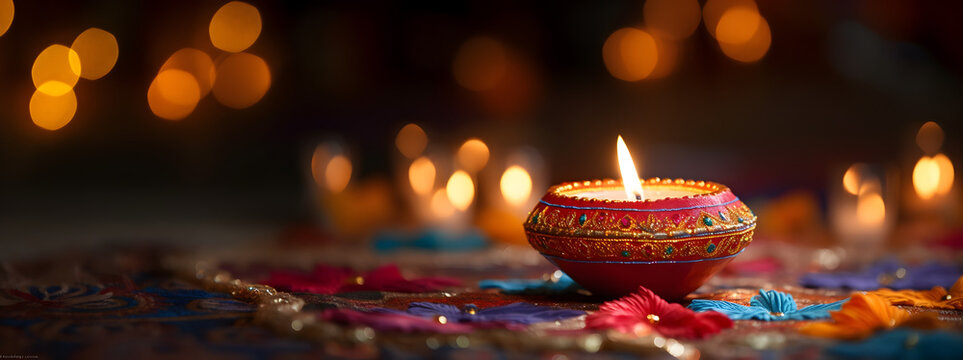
{"x": 557, "y": 283}
{"x": 331, "y": 280}
{"x": 937, "y": 297}
{"x": 515, "y": 313}
{"x": 643, "y": 312}
{"x": 890, "y": 274}
{"x": 863, "y": 315}
{"x": 392, "y": 321}
{"x": 769, "y": 305}
{"x": 903, "y": 344}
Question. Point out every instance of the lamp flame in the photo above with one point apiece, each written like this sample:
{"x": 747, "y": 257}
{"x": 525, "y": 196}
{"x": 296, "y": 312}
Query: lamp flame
{"x": 630, "y": 177}
{"x": 870, "y": 207}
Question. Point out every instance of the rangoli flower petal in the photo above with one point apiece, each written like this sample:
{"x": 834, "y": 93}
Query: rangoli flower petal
{"x": 643, "y": 312}
{"x": 769, "y": 305}
{"x": 864, "y": 314}
{"x": 937, "y": 297}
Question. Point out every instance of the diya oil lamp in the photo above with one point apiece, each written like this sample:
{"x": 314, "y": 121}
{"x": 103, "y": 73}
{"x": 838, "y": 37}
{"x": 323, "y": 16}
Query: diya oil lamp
{"x": 613, "y": 236}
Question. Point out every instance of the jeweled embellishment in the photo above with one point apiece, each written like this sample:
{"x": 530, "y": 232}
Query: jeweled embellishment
{"x": 669, "y": 250}
{"x": 723, "y": 216}
{"x": 626, "y": 222}
{"x": 626, "y": 253}
{"x": 535, "y": 218}
{"x": 711, "y": 248}
{"x": 581, "y": 219}
{"x": 707, "y": 220}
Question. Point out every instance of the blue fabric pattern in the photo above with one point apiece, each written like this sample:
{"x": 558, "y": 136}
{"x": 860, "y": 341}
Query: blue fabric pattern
{"x": 889, "y": 274}
{"x": 903, "y": 344}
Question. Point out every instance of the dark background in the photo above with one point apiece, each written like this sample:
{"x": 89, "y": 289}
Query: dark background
{"x": 843, "y": 81}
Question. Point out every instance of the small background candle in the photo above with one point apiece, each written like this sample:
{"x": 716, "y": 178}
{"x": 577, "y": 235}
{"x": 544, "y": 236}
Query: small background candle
{"x": 932, "y": 175}
{"x": 512, "y": 190}
{"x": 350, "y": 207}
{"x": 863, "y": 205}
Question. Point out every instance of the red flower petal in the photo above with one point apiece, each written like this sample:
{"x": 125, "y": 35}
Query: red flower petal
{"x": 644, "y": 310}
{"x": 330, "y": 280}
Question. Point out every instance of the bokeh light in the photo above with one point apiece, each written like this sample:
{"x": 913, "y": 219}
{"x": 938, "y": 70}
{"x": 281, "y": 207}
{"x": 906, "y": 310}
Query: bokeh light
{"x": 173, "y": 94}
{"x": 56, "y": 64}
{"x": 441, "y": 208}
{"x": 516, "y": 185}
{"x": 473, "y": 155}
{"x": 421, "y": 175}
{"x": 870, "y": 207}
{"x": 460, "y": 190}
{"x": 195, "y": 62}
{"x": 852, "y": 179}
{"x": 673, "y": 19}
{"x": 947, "y": 174}
{"x": 930, "y": 137}
{"x": 52, "y": 112}
{"x": 98, "y": 52}
{"x": 242, "y": 80}
{"x": 480, "y": 63}
{"x": 926, "y": 177}
{"x": 738, "y": 25}
{"x": 668, "y": 55}
{"x": 630, "y": 54}
{"x": 411, "y": 141}
{"x": 713, "y": 10}
{"x": 337, "y": 173}
{"x": 743, "y": 35}
{"x": 6, "y": 15}
{"x": 235, "y": 26}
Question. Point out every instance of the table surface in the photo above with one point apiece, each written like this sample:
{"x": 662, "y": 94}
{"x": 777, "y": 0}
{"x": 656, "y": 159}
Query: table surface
{"x": 122, "y": 301}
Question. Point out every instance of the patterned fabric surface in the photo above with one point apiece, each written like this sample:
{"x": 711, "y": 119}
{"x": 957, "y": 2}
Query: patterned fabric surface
{"x": 83, "y": 306}
{"x": 127, "y": 312}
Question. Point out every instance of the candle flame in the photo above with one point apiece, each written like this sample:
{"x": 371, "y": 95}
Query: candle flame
{"x": 630, "y": 177}
{"x": 337, "y": 173}
{"x": 852, "y": 179}
{"x": 460, "y": 190}
{"x": 516, "y": 185}
{"x": 926, "y": 177}
{"x": 933, "y": 176}
{"x": 870, "y": 207}
{"x": 421, "y": 175}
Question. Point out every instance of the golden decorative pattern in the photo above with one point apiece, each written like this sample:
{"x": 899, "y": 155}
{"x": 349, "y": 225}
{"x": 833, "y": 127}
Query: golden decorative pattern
{"x": 709, "y": 223}
{"x": 612, "y": 249}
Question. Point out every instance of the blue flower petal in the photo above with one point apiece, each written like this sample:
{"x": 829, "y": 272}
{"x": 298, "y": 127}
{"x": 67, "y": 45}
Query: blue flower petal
{"x": 565, "y": 284}
{"x": 769, "y": 305}
{"x": 774, "y": 301}
{"x": 818, "y": 311}
{"x": 732, "y": 310}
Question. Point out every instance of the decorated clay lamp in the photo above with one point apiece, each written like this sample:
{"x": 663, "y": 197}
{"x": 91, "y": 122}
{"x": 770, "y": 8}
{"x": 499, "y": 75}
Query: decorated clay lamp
{"x": 613, "y": 236}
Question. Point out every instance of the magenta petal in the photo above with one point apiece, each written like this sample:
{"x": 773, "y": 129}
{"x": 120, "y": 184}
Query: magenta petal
{"x": 384, "y": 321}
{"x": 388, "y": 278}
{"x": 644, "y": 309}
